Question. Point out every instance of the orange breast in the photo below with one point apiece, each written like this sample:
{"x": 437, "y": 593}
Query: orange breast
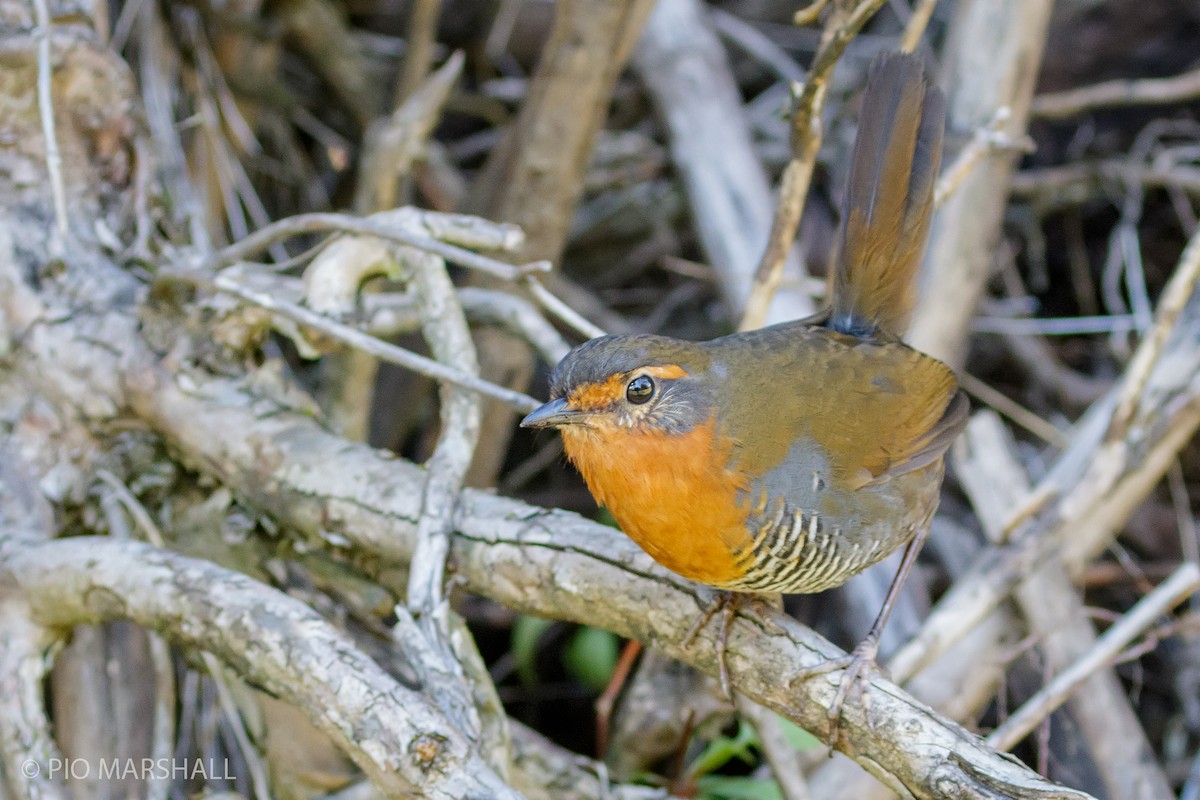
{"x": 670, "y": 492}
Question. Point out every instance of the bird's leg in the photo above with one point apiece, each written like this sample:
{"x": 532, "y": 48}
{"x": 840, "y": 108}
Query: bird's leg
{"x": 727, "y": 603}
{"x": 859, "y": 664}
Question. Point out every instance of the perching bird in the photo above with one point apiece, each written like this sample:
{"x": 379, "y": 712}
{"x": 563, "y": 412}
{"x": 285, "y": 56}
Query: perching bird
{"x": 788, "y": 459}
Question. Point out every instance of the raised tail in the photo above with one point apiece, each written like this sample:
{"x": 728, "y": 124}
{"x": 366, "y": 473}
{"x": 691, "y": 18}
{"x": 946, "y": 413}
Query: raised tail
{"x": 889, "y": 199}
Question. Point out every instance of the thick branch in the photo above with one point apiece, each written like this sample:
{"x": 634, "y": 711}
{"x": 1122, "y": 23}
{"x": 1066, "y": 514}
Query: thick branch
{"x": 274, "y": 641}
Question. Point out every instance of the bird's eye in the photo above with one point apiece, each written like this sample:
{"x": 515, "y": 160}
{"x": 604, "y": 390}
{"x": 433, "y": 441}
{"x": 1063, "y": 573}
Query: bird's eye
{"x": 639, "y": 390}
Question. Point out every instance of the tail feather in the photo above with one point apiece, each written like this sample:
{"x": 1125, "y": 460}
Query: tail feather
{"x": 889, "y": 199}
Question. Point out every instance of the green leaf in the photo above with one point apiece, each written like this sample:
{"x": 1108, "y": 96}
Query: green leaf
{"x": 526, "y": 632}
{"x": 723, "y": 748}
{"x": 591, "y": 657}
{"x": 733, "y": 787}
{"x": 797, "y": 737}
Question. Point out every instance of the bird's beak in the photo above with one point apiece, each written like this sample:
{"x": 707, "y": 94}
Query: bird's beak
{"x": 551, "y": 415}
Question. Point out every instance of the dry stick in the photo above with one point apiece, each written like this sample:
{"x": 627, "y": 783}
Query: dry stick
{"x": 987, "y": 140}
{"x": 46, "y": 112}
{"x": 423, "y": 627}
{"x": 27, "y": 745}
{"x": 806, "y": 141}
{"x": 992, "y": 476}
{"x": 1012, "y": 409}
{"x": 1181, "y": 585}
{"x": 993, "y": 58}
{"x": 278, "y": 643}
{"x": 394, "y": 142}
{"x": 563, "y": 312}
{"x": 534, "y": 177}
{"x": 1074, "y": 184}
{"x": 320, "y": 222}
{"x": 1150, "y": 91}
{"x": 1174, "y": 297}
{"x": 422, "y": 33}
{"x": 916, "y": 26}
{"x": 162, "y": 727}
{"x": 687, "y": 71}
{"x": 810, "y": 13}
{"x": 369, "y": 344}
{"x": 1189, "y": 545}
{"x": 387, "y": 315}
{"x": 258, "y": 773}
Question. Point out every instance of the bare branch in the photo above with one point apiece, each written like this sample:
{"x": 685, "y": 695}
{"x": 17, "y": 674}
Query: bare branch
{"x": 841, "y": 27}
{"x": 992, "y": 64}
{"x": 274, "y": 641}
{"x": 46, "y": 111}
{"x": 1151, "y": 91}
{"x": 690, "y": 80}
{"x": 382, "y": 226}
{"x": 1170, "y": 593}
{"x": 227, "y": 281}
{"x": 27, "y": 746}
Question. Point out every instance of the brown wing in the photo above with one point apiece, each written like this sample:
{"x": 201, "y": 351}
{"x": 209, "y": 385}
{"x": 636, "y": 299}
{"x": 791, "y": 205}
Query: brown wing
{"x": 824, "y": 402}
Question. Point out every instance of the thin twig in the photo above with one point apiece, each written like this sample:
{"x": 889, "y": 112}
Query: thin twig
{"x": 1171, "y": 302}
{"x": 917, "y": 23}
{"x": 756, "y": 44}
{"x": 397, "y": 140}
{"x": 382, "y": 350}
{"x": 810, "y": 13}
{"x": 422, "y": 35}
{"x": 1013, "y": 410}
{"x": 1181, "y": 585}
{"x": 563, "y": 312}
{"x": 1150, "y": 91}
{"x": 806, "y": 141}
{"x": 1080, "y": 182}
{"x": 322, "y": 222}
{"x": 423, "y": 628}
{"x": 46, "y": 112}
{"x": 988, "y": 140}
{"x": 388, "y": 314}
{"x": 1189, "y": 545}
{"x": 1055, "y": 326}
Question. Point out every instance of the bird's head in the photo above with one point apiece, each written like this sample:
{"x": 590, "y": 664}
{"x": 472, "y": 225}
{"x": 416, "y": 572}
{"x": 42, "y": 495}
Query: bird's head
{"x": 629, "y": 383}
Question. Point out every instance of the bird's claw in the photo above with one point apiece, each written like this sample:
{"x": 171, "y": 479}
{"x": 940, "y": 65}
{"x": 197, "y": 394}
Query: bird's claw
{"x": 728, "y": 603}
{"x": 857, "y": 670}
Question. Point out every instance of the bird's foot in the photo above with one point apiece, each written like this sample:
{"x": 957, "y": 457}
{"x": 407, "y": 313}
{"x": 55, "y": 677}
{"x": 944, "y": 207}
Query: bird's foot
{"x": 858, "y": 668}
{"x": 728, "y": 603}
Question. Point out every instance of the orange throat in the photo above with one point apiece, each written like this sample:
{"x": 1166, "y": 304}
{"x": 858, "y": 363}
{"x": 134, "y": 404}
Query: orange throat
{"x": 672, "y": 493}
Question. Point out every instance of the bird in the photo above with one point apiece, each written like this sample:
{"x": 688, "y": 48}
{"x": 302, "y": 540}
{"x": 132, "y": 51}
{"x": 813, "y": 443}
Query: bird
{"x": 788, "y": 459}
